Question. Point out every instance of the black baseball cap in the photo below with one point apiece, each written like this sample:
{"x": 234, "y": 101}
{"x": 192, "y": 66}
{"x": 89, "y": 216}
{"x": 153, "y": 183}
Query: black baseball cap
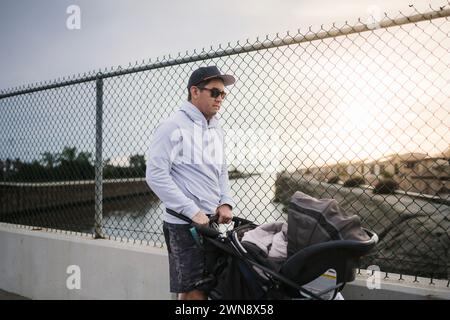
{"x": 207, "y": 73}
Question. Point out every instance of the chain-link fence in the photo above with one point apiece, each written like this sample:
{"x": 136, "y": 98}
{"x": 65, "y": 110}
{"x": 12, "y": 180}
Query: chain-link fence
{"x": 359, "y": 113}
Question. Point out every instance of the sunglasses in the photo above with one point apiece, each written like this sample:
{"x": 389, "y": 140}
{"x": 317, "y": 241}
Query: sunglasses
{"x": 215, "y": 92}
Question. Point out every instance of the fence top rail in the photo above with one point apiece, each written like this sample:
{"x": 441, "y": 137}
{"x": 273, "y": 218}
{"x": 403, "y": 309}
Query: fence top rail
{"x": 346, "y": 29}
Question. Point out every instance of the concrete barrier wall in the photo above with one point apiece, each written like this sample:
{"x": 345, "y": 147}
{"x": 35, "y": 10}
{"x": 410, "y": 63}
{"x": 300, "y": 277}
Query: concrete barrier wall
{"x": 377, "y": 286}
{"x": 34, "y": 264}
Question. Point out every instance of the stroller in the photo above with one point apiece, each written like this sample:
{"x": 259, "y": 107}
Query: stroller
{"x": 237, "y": 270}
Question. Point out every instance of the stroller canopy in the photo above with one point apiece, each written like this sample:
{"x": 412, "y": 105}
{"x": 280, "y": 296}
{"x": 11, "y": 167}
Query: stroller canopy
{"x": 312, "y": 221}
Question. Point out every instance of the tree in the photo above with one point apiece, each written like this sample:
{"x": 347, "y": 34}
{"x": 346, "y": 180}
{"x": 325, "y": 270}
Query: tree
{"x": 354, "y": 182}
{"x": 137, "y": 166}
{"x": 74, "y": 165}
{"x": 386, "y": 186}
{"x": 7, "y": 168}
{"x": 68, "y": 154}
{"x": 2, "y": 167}
{"x": 84, "y": 157}
{"x": 137, "y": 161}
{"x": 49, "y": 160}
{"x": 17, "y": 165}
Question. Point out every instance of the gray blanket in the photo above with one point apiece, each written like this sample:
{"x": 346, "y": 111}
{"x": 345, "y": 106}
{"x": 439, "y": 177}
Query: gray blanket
{"x": 271, "y": 238}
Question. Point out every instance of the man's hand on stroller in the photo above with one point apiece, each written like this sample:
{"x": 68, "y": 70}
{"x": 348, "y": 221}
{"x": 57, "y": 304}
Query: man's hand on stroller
{"x": 224, "y": 213}
{"x": 200, "y": 218}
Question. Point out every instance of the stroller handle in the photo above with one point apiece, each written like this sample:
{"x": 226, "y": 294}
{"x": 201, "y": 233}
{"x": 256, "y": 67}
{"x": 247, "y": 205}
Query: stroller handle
{"x": 207, "y": 230}
{"x": 213, "y": 233}
{"x": 202, "y": 229}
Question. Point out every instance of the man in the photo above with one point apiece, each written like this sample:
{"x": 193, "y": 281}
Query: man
{"x": 186, "y": 169}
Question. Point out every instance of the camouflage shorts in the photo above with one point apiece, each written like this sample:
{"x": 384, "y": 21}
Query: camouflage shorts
{"x": 186, "y": 259}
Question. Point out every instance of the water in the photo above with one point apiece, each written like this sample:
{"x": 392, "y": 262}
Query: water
{"x": 141, "y": 219}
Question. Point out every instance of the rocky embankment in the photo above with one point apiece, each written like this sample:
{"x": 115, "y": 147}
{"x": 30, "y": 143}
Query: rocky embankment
{"x": 414, "y": 234}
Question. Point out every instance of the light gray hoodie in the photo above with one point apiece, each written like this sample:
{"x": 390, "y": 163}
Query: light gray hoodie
{"x": 186, "y": 164}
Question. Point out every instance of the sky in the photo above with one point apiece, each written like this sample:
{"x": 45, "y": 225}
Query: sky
{"x": 359, "y": 104}
{"x": 36, "y": 44}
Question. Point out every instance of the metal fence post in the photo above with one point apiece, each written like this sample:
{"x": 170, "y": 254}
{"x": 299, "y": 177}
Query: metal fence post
{"x": 98, "y": 159}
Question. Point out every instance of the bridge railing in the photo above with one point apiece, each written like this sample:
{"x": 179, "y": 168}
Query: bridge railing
{"x": 354, "y": 111}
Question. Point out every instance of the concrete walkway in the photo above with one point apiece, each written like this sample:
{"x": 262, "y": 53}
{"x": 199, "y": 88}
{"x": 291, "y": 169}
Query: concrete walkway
{"x": 4, "y": 295}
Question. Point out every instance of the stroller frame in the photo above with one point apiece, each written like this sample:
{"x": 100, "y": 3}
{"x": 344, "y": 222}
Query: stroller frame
{"x": 297, "y": 271}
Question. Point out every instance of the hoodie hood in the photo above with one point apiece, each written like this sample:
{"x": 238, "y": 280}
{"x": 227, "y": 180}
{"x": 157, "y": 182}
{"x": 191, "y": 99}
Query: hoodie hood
{"x": 197, "y": 117}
